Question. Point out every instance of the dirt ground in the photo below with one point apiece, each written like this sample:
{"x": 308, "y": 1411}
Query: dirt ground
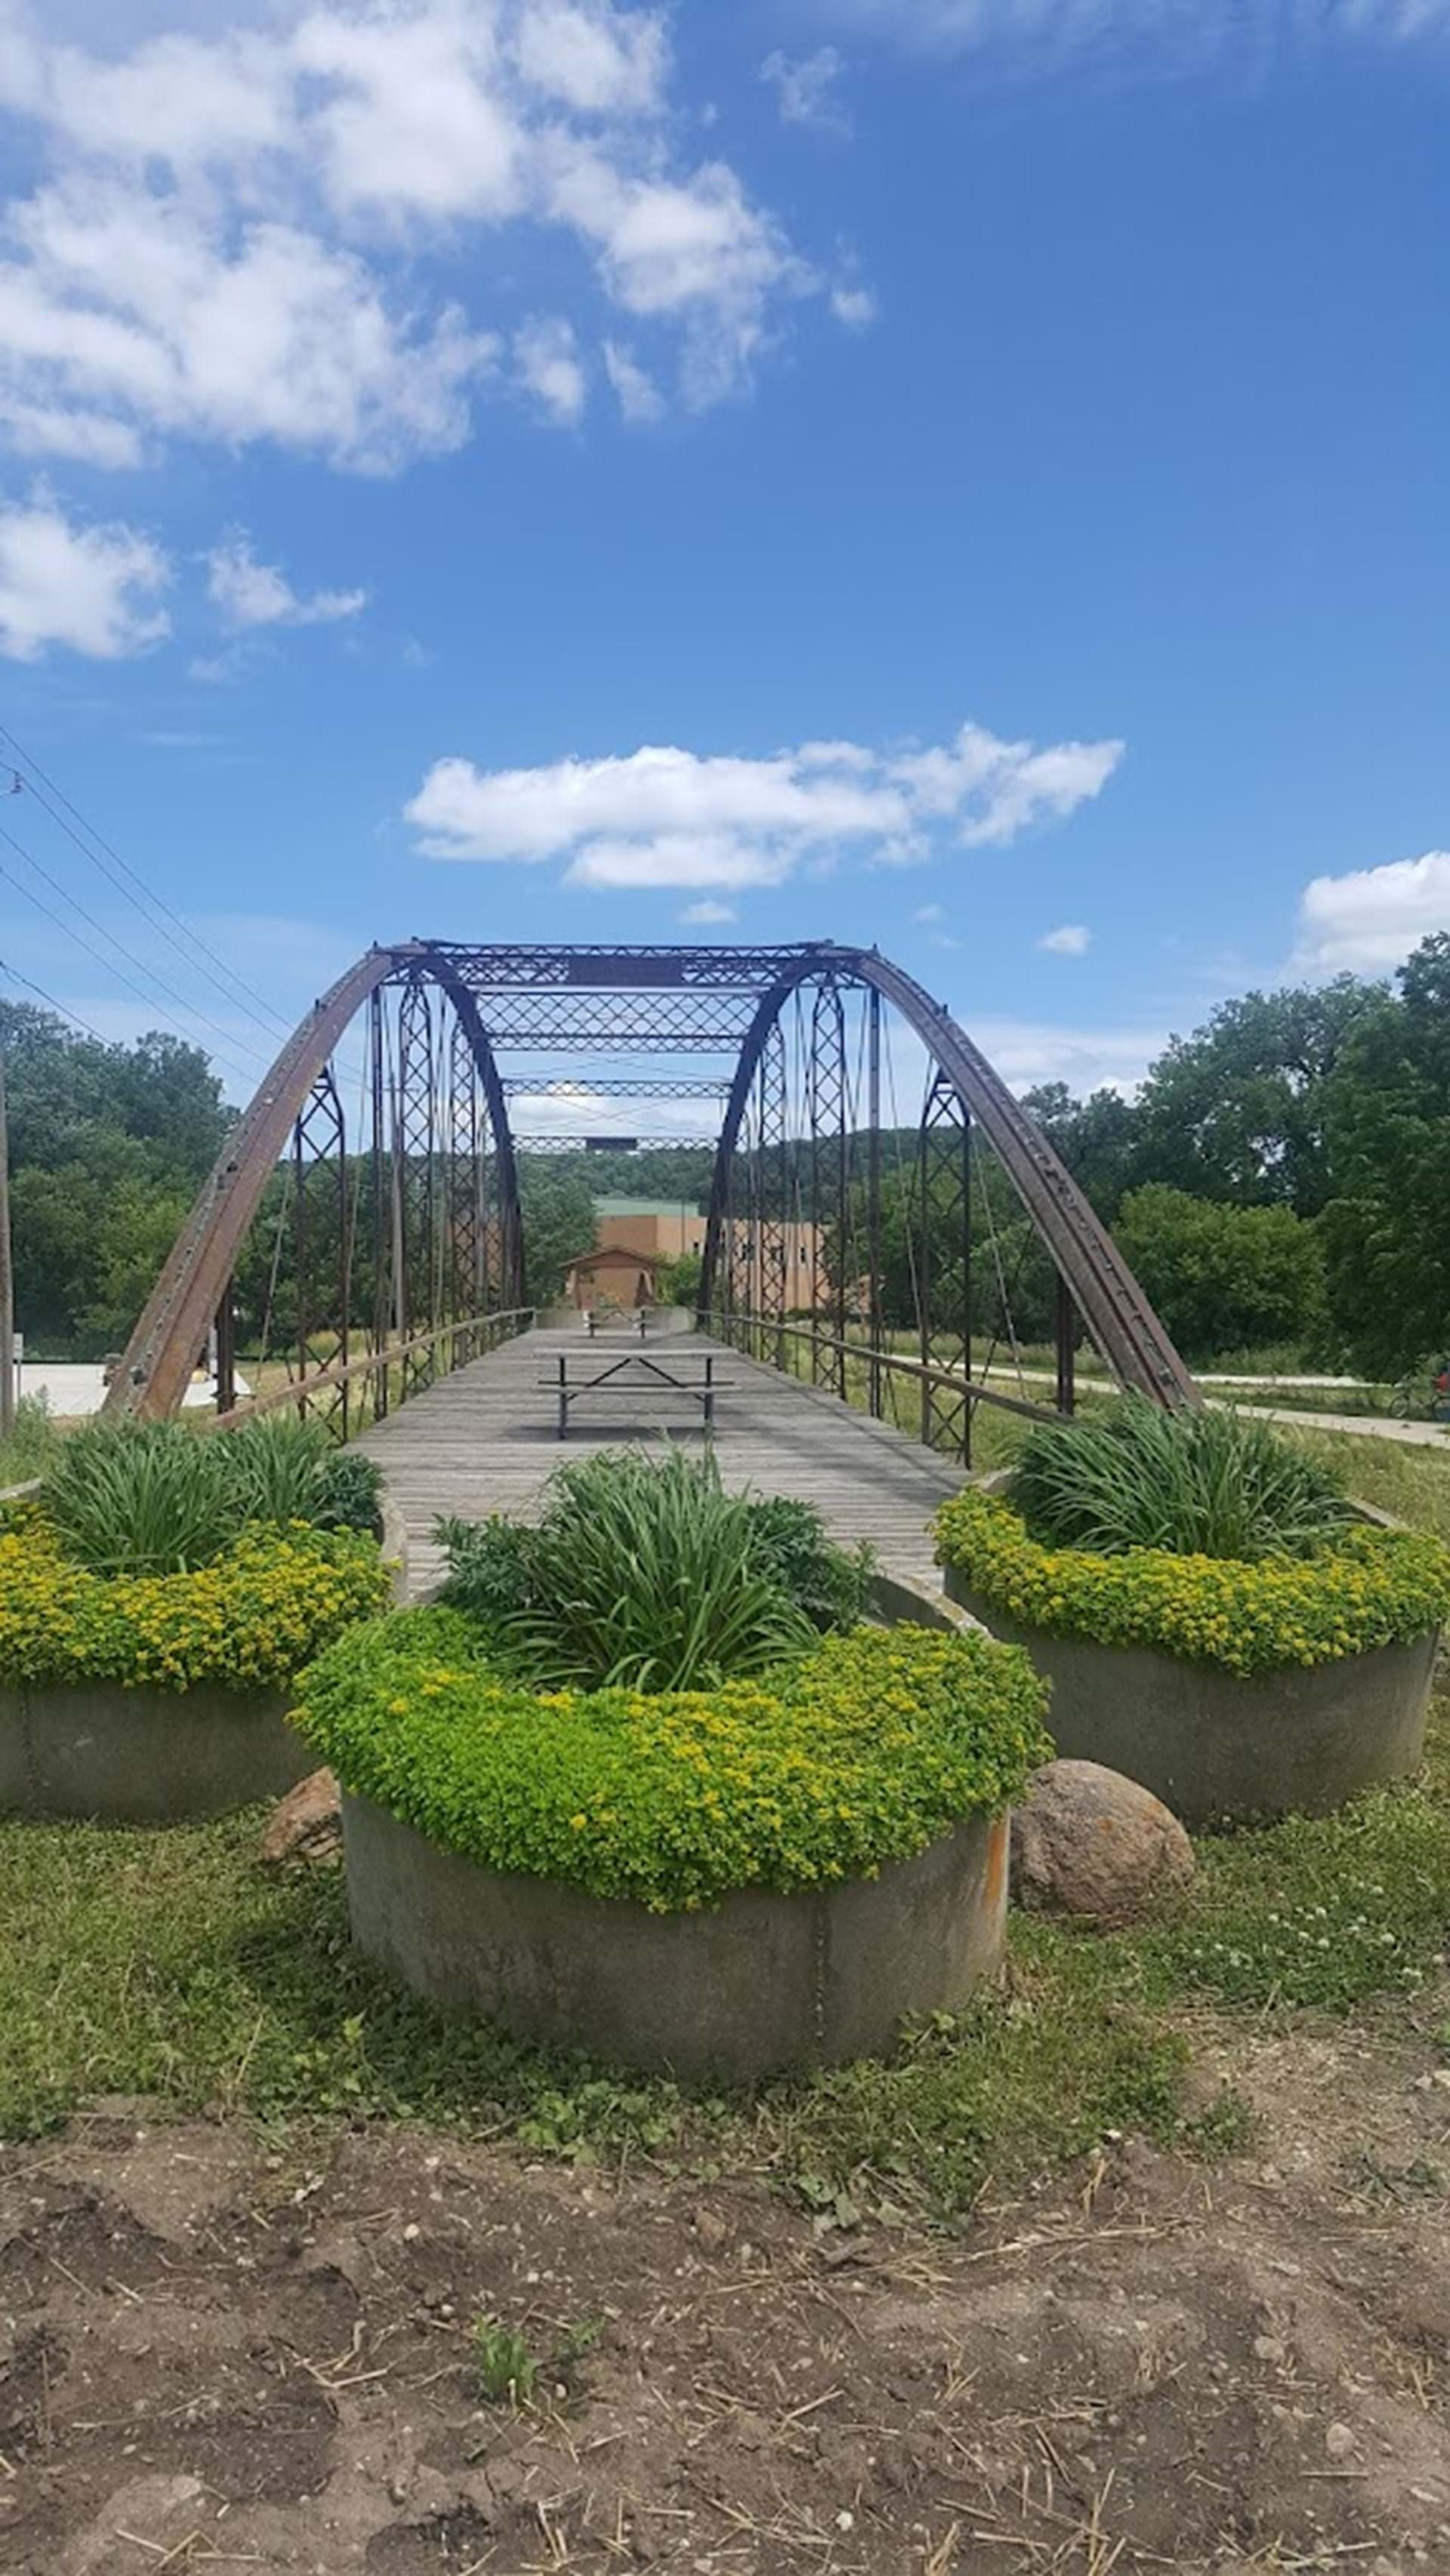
{"x": 216, "y": 2354}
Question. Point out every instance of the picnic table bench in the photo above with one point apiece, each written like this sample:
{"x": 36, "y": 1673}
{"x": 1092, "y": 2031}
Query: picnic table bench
{"x": 658, "y": 1378}
{"x": 596, "y": 1324}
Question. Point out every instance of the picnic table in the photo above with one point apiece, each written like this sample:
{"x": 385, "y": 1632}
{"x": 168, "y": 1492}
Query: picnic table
{"x": 694, "y": 1381}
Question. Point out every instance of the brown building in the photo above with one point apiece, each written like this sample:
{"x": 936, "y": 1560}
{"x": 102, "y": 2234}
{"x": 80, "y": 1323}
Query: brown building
{"x": 655, "y": 1232}
{"x": 613, "y": 1275}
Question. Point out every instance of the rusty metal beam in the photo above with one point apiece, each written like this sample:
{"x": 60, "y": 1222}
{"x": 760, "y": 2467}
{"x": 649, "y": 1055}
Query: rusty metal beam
{"x": 168, "y": 1339}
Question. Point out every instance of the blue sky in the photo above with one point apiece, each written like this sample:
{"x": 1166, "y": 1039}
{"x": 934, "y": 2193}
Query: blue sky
{"x": 989, "y": 454}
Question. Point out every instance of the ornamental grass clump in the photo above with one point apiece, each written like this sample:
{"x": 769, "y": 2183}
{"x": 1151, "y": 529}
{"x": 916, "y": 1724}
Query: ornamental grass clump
{"x": 1365, "y": 1588}
{"x": 162, "y": 1498}
{"x": 644, "y": 1572}
{"x": 864, "y": 1750}
{"x": 1189, "y": 1483}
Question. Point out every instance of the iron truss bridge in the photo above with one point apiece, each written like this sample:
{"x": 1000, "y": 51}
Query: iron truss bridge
{"x": 880, "y": 1214}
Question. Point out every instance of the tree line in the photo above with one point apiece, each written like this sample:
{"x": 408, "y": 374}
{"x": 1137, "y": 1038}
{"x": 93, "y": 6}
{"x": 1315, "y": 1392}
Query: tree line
{"x": 1281, "y": 1177}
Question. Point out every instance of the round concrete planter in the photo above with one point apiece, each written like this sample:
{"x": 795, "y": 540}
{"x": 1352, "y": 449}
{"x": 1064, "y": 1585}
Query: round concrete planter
{"x": 1219, "y": 1748}
{"x": 150, "y": 1757}
{"x": 762, "y": 1983}
{"x": 144, "y": 1757}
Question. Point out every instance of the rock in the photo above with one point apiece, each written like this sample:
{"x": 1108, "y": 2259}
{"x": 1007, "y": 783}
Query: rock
{"x": 1339, "y": 2442}
{"x": 1090, "y": 1842}
{"x": 711, "y": 2231}
{"x": 307, "y": 1826}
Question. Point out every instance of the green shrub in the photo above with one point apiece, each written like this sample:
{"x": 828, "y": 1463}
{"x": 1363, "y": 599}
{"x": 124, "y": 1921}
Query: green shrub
{"x": 863, "y": 1751}
{"x": 164, "y": 1498}
{"x": 830, "y": 1583}
{"x": 491, "y": 1568}
{"x": 644, "y": 1571}
{"x": 1221, "y": 1275}
{"x": 1197, "y": 1484}
{"x": 248, "y": 1620}
{"x": 1365, "y": 1588}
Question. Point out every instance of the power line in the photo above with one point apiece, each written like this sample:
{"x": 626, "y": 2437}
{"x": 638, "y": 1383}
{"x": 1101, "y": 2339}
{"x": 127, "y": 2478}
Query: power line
{"x": 101, "y": 959}
{"x": 49, "y": 999}
{"x": 30, "y": 769}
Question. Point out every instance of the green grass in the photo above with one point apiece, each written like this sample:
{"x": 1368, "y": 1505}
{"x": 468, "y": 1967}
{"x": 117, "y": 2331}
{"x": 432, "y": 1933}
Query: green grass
{"x": 31, "y": 1446}
{"x": 172, "y": 1964}
{"x": 1396, "y": 1476}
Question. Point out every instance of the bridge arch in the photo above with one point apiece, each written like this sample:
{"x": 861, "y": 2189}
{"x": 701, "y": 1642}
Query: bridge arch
{"x": 193, "y": 1286}
{"x": 420, "y": 1198}
{"x": 1093, "y": 1273}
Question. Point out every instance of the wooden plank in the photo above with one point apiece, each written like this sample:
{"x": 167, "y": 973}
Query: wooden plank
{"x": 485, "y": 1440}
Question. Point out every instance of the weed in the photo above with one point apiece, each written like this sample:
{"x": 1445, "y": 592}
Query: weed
{"x": 507, "y": 2370}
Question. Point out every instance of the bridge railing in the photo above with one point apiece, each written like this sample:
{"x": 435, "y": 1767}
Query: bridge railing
{"x": 349, "y": 1395}
{"x": 941, "y": 1402}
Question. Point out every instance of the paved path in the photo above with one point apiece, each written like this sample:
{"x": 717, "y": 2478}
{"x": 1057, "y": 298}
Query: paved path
{"x": 1364, "y": 1426}
{"x": 484, "y": 1441}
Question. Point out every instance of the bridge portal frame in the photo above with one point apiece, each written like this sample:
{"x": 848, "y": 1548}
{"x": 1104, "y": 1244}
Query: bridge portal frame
{"x": 662, "y": 999}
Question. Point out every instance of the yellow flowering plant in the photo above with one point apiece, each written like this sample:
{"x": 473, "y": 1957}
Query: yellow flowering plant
{"x": 249, "y": 1620}
{"x": 866, "y": 1749}
{"x": 1363, "y": 1587}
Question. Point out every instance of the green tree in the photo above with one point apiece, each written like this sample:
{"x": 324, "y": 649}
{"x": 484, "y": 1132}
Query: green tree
{"x": 558, "y": 1218}
{"x": 679, "y": 1283}
{"x": 1223, "y": 1277}
{"x": 1099, "y": 1139}
{"x": 102, "y": 1138}
{"x": 1237, "y": 1111}
{"x": 1387, "y": 1230}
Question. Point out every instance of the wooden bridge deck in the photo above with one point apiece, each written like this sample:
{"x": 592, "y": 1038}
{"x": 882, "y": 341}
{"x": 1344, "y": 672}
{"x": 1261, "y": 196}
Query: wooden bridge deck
{"x": 484, "y": 1440}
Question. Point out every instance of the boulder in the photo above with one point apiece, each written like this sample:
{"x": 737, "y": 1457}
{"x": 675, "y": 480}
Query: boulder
{"x": 1087, "y": 1841}
{"x": 307, "y": 1826}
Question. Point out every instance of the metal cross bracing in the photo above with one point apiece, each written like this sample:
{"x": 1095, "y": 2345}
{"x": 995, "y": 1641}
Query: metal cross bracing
{"x": 880, "y": 1217}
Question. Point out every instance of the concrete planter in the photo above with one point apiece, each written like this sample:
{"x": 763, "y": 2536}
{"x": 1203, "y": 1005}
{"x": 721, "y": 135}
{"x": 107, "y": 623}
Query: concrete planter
{"x": 151, "y": 1757}
{"x": 144, "y": 1757}
{"x": 763, "y": 1982}
{"x": 1220, "y": 1748}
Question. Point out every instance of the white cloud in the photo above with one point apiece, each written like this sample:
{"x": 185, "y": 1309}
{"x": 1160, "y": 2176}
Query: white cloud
{"x": 226, "y": 232}
{"x": 693, "y": 250}
{"x": 1026, "y": 1052}
{"x": 1070, "y": 939}
{"x": 857, "y": 307}
{"x": 927, "y": 913}
{"x": 546, "y": 361}
{"x": 701, "y": 916}
{"x": 1369, "y": 920}
{"x": 595, "y": 58}
{"x": 806, "y": 90}
{"x": 662, "y": 816}
{"x": 637, "y": 394}
{"x": 91, "y": 589}
{"x": 250, "y": 594}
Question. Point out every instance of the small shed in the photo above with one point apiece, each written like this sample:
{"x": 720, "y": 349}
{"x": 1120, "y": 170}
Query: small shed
{"x": 612, "y": 1275}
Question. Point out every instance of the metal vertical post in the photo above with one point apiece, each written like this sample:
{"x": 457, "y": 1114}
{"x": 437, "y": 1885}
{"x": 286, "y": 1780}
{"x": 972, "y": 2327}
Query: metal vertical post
{"x": 226, "y": 1351}
{"x": 1066, "y": 1348}
{"x": 873, "y": 1191}
{"x": 381, "y": 1237}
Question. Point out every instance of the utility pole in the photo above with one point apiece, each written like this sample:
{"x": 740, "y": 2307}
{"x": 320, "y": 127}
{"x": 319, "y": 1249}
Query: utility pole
{"x": 7, "y": 1281}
